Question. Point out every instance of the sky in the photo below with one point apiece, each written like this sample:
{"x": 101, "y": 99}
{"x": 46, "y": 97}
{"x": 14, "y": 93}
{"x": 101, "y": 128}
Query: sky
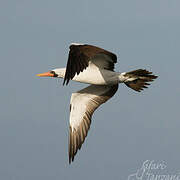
{"x": 129, "y": 129}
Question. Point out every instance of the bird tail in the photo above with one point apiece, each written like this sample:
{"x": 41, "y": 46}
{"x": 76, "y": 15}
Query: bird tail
{"x": 138, "y": 79}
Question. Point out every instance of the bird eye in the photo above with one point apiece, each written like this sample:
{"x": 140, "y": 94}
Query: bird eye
{"x": 52, "y": 72}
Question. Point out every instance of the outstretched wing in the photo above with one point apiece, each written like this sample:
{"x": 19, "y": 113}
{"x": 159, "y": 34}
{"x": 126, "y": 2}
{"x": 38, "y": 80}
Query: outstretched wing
{"x": 83, "y": 104}
{"x": 80, "y": 57}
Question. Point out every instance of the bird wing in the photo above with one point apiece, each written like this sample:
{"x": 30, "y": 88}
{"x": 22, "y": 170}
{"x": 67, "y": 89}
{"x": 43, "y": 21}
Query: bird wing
{"x": 80, "y": 56}
{"x": 83, "y": 104}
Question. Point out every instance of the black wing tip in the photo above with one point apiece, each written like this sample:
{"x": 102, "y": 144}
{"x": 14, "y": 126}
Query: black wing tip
{"x": 65, "y": 82}
{"x": 72, "y": 153}
{"x": 70, "y": 160}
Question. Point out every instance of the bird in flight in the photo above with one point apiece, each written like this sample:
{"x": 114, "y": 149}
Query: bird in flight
{"x": 95, "y": 66}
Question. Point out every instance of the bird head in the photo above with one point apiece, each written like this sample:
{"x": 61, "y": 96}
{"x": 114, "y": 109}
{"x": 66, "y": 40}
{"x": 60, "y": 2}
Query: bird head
{"x": 60, "y": 72}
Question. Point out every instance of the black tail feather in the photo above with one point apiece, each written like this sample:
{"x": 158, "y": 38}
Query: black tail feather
{"x": 137, "y": 80}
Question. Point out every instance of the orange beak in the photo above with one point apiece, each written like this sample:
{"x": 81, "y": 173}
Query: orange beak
{"x": 46, "y": 74}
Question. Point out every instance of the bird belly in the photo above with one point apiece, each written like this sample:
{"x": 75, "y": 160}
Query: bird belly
{"x": 97, "y": 76}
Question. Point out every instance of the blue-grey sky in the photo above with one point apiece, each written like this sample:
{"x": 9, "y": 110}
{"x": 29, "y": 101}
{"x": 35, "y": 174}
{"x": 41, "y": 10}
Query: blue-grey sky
{"x": 128, "y": 129}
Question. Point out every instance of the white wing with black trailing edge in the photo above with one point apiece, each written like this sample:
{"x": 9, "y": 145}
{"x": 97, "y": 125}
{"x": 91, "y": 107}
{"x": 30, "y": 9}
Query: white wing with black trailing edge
{"x": 83, "y": 104}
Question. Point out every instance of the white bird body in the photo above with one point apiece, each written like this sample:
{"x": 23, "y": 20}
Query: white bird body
{"x": 95, "y": 66}
{"x": 97, "y": 76}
